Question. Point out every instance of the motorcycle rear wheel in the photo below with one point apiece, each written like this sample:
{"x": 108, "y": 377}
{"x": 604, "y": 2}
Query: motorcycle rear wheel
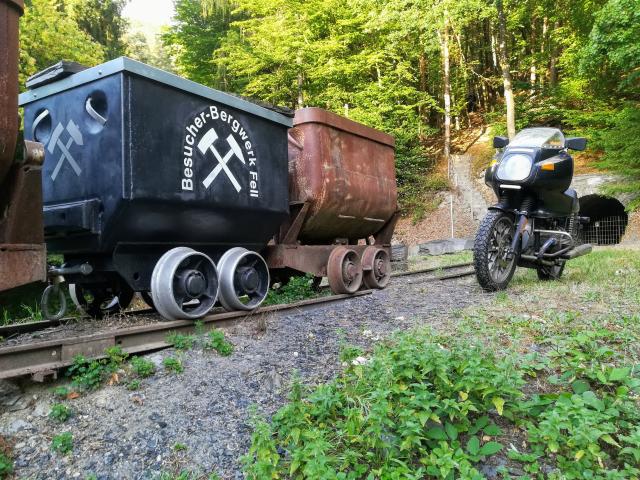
{"x": 493, "y": 270}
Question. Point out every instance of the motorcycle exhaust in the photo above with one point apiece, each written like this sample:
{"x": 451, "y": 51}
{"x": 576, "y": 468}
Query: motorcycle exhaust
{"x": 579, "y": 251}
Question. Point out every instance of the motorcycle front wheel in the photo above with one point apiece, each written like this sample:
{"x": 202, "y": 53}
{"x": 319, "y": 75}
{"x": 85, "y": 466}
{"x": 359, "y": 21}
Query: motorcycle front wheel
{"x": 490, "y": 250}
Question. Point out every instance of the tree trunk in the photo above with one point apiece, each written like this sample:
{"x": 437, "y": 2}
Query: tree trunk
{"x": 553, "y": 53}
{"x": 532, "y": 52}
{"x": 545, "y": 33}
{"x": 447, "y": 88}
{"x": 506, "y": 72}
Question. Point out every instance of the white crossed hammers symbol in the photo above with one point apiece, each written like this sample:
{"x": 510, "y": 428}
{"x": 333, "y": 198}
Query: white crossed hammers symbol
{"x": 75, "y": 136}
{"x": 206, "y": 143}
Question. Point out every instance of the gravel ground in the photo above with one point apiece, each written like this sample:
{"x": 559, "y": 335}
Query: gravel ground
{"x": 121, "y": 434}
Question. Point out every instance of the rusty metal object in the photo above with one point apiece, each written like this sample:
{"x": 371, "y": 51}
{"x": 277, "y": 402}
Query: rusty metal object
{"x": 21, "y": 203}
{"x": 50, "y": 355}
{"x": 10, "y": 11}
{"x": 33, "y": 153}
{"x": 22, "y": 252}
{"x": 23, "y": 255}
{"x": 345, "y": 171}
{"x": 376, "y": 263}
{"x": 21, "y": 264}
{"x": 344, "y": 270}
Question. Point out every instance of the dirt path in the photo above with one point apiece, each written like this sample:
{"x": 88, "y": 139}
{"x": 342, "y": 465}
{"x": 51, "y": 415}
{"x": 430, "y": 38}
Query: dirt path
{"x": 119, "y": 433}
{"x": 468, "y": 195}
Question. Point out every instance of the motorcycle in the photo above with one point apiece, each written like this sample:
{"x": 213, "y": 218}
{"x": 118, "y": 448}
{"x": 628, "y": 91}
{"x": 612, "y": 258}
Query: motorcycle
{"x": 536, "y": 222}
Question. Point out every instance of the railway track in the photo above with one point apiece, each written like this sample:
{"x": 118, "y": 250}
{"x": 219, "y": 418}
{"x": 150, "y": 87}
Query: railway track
{"x": 43, "y": 358}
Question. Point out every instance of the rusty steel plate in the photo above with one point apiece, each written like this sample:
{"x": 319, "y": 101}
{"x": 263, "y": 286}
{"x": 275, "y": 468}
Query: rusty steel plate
{"x": 10, "y": 11}
{"x": 21, "y": 264}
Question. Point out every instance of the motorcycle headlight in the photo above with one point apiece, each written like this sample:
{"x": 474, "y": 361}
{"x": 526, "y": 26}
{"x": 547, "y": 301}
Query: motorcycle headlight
{"x": 515, "y": 167}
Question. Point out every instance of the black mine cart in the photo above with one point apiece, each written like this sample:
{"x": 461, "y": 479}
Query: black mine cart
{"x": 154, "y": 183}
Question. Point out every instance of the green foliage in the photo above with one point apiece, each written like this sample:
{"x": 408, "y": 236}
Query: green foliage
{"x": 142, "y": 367}
{"x": 416, "y": 409}
{"x": 193, "y": 40}
{"x": 180, "y": 341}
{"x": 60, "y": 412}
{"x": 592, "y": 424}
{"x": 296, "y": 289}
{"x": 61, "y": 392}
{"x": 612, "y": 55}
{"x": 349, "y": 353}
{"x": 6, "y": 465}
{"x": 87, "y": 374}
{"x": 49, "y": 34}
{"x": 216, "y": 341}
{"x": 179, "y": 447}
{"x": 133, "y": 385}
{"x": 173, "y": 364}
{"x": 62, "y": 443}
{"x": 116, "y": 356}
{"x": 103, "y": 21}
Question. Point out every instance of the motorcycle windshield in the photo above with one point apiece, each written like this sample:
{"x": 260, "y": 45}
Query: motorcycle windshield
{"x": 538, "y": 138}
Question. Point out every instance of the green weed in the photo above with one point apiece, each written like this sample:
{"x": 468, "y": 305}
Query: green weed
{"x": 6, "y": 465}
{"x": 173, "y": 364}
{"x": 61, "y": 392}
{"x": 62, "y": 443}
{"x": 180, "y": 341}
{"x": 295, "y": 290}
{"x": 216, "y": 341}
{"x": 33, "y": 312}
{"x": 87, "y": 374}
{"x": 60, "y": 412}
{"x": 133, "y": 385}
{"x": 142, "y": 367}
{"x": 116, "y": 356}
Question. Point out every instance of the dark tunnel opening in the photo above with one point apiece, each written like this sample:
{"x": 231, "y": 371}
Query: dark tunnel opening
{"x": 608, "y": 220}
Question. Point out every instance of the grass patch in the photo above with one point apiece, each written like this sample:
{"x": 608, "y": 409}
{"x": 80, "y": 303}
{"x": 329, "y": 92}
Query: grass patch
{"x": 173, "y": 364}
{"x": 142, "y": 367}
{"x": 547, "y": 378}
{"x": 181, "y": 341}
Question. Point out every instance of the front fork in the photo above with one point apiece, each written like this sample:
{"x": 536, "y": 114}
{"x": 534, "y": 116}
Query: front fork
{"x": 522, "y": 236}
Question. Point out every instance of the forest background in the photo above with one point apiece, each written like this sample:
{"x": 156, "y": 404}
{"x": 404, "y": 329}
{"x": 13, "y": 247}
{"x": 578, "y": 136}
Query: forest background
{"x": 425, "y": 71}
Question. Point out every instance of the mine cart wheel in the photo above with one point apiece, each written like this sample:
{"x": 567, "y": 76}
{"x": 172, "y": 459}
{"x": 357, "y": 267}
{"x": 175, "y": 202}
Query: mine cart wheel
{"x": 550, "y": 273}
{"x": 377, "y": 267}
{"x": 100, "y": 300}
{"x": 184, "y": 284}
{"x": 244, "y": 279}
{"x": 344, "y": 270}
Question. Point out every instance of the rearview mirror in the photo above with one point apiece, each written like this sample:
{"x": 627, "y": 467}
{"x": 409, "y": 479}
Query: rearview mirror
{"x": 576, "y": 143}
{"x": 500, "y": 142}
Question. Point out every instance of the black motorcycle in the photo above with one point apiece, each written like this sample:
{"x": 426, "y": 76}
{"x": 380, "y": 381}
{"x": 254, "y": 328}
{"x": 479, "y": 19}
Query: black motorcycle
{"x": 536, "y": 222}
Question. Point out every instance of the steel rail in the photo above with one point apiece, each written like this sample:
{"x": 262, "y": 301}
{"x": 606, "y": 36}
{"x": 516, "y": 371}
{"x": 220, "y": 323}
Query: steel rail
{"x": 44, "y": 358}
{"x": 12, "y": 330}
{"x": 431, "y": 269}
